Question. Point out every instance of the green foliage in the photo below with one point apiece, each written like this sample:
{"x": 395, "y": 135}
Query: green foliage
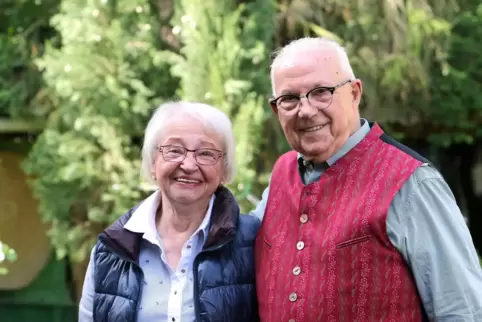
{"x": 6, "y": 254}
{"x": 85, "y": 163}
{"x": 16, "y": 88}
{"x": 457, "y": 87}
{"x": 391, "y": 48}
{"x": 24, "y": 26}
{"x": 107, "y": 63}
{"x": 223, "y": 61}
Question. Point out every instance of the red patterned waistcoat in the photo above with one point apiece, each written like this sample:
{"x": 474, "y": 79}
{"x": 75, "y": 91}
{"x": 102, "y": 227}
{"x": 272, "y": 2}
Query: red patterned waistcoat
{"x": 323, "y": 253}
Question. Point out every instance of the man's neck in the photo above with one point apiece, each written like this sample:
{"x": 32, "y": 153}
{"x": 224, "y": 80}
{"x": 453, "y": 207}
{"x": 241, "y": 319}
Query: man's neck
{"x": 356, "y": 135}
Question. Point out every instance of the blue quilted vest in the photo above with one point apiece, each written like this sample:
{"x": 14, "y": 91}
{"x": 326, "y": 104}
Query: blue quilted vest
{"x": 224, "y": 278}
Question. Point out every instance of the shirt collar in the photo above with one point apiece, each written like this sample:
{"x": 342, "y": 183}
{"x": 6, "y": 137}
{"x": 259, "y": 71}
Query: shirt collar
{"x": 143, "y": 220}
{"x": 352, "y": 141}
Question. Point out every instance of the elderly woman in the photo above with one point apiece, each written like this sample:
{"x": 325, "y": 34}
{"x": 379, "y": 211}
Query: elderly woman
{"x": 185, "y": 253}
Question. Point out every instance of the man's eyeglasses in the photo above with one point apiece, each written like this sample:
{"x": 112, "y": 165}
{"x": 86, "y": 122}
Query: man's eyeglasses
{"x": 173, "y": 153}
{"x": 321, "y": 97}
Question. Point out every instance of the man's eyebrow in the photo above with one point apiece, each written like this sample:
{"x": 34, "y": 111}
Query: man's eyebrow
{"x": 291, "y": 92}
{"x": 288, "y": 92}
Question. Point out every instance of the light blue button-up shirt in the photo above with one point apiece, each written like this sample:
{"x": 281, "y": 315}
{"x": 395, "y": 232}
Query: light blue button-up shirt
{"x": 426, "y": 226}
{"x": 167, "y": 294}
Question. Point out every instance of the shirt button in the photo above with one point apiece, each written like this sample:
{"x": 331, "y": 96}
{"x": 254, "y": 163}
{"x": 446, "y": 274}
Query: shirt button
{"x": 300, "y": 245}
{"x": 188, "y": 246}
{"x": 296, "y": 270}
{"x": 293, "y": 297}
{"x": 175, "y": 292}
{"x": 304, "y": 218}
{"x": 183, "y": 270}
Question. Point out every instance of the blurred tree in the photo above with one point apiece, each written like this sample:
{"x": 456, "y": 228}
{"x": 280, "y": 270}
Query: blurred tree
{"x": 420, "y": 67}
{"x": 456, "y": 113}
{"x": 112, "y": 61}
{"x": 456, "y": 88}
{"x": 224, "y": 61}
{"x": 24, "y": 27}
{"x": 103, "y": 81}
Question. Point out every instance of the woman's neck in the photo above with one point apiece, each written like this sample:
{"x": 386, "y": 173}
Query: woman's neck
{"x": 179, "y": 219}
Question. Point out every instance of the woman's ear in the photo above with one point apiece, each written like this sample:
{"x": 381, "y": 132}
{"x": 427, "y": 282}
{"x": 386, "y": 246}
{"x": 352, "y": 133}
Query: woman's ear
{"x": 222, "y": 182}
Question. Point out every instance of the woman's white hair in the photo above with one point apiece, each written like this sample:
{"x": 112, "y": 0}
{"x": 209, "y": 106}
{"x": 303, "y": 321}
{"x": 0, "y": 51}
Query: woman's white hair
{"x": 212, "y": 118}
{"x": 296, "y": 49}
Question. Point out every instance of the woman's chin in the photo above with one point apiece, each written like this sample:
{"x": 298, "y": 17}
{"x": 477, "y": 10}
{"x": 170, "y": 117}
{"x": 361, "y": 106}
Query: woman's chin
{"x": 187, "y": 198}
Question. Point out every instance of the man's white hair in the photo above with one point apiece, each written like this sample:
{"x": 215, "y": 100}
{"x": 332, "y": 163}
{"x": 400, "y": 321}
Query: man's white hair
{"x": 212, "y": 118}
{"x": 296, "y": 48}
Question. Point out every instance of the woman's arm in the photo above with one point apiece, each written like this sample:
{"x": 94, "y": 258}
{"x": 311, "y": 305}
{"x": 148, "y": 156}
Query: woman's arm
{"x": 87, "y": 300}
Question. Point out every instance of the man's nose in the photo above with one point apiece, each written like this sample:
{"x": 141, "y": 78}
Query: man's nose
{"x": 305, "y": 108}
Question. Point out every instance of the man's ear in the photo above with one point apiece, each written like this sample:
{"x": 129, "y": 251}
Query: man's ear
{"x": 357, "y": 90}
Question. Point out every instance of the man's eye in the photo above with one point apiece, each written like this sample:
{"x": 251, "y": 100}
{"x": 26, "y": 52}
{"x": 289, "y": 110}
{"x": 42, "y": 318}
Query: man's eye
{"x": 288, "y": 99}
{"x": 320, "y": 94}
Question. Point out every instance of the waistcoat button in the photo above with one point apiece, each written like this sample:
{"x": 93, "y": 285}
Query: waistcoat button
{"x": 304, "y": 218}
{"x": 293, "y": 297}
{"x": 300, "y": 245}
{"x": 296, "y": 270}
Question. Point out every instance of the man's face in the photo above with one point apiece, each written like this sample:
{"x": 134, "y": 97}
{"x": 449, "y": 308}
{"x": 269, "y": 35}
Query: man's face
{"x": 314, "y": 130}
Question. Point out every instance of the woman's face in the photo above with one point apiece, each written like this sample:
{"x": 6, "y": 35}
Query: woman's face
{"x": 193, "y": 180}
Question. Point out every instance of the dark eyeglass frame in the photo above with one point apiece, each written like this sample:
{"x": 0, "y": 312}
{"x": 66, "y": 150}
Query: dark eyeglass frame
{"x": 273, "y": 101}
{"x": 219, "y": 154}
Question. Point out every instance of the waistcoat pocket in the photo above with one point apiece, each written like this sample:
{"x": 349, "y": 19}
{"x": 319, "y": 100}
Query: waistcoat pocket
{"x": 267, "y": 243}
{"x": 353, "y": 241}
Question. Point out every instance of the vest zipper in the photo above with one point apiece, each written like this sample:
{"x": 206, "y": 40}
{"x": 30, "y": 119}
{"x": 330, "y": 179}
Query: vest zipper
{"x": 196, "y": 278}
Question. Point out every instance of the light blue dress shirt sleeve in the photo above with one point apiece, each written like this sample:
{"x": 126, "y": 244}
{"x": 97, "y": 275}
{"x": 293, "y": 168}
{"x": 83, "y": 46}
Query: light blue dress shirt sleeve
{"x": 86, "y": 304}
{"x": 426, "y": 226}
{"x": 261, "y": 207}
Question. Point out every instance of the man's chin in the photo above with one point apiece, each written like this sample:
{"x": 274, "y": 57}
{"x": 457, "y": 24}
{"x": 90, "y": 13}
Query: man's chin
{"x": 317, "y": 154}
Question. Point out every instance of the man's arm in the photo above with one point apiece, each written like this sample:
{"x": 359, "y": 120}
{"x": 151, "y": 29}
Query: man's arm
{"x": 87, "y": 300}
{"x": 261, "y": 207}
{"x": 425, "y": 224}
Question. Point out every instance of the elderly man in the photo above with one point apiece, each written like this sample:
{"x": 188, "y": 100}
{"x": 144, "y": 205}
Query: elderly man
{"x": 356, "y": 226}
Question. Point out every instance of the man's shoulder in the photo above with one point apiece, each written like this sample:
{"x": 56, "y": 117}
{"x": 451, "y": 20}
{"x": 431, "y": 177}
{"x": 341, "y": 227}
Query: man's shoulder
{"x": 424, "y": 176}
{"x": 421, "y": 185}
{"x": 402, "y": 148}
{"x": 426, "y": 171}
